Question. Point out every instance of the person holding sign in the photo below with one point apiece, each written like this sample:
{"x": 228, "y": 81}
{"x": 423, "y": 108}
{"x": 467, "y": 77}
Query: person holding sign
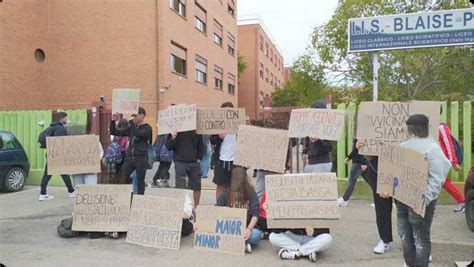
{"x": 88, "y": 178}
{"x": 139, "y": 134}
{"x": 414, "y": 230}
{"x": 317, "y": 152}
{"x": 242, "y": 195}
{"x": 359, "y": 165}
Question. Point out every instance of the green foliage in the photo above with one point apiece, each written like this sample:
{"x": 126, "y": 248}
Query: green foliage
{"x": 241, "y": 65}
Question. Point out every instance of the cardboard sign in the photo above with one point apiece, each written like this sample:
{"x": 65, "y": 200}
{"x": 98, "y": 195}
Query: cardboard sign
{"x": 403, "y": 174}
{"x": 261, "y": 148}
{"x": 220, "y": 230}
{"x": 220, "y": 120}
{"x": 155, "y": 222}
{"x": 325, "y": 124}
{"x": 179, "y": 118}
{"x": 302, "y": 200}
{"x": 125, "y": 101}
{"x": 168, "y": 192}
{"x": 384, "y": 122}
{"x": 77, "y": 154}
{"x": 102, "y": 208}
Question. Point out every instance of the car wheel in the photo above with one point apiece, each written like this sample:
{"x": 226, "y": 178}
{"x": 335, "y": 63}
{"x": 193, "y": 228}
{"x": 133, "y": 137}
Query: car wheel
{"x": 469, "y": 209}
{"x": 14, "y": 180}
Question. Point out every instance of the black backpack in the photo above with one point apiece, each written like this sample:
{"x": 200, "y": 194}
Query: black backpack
{"x": 65, "y": 229}
{"x": 42, "y": 136}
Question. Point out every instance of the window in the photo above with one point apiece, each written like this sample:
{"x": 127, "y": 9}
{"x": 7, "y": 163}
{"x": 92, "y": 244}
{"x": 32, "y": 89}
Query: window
{"x": 230, "y": 7}
{"x": 178, "y": 59}
{"x": 266, "y": 49}
{"x": 271, "y": 79}
{"x": 231, "y": 43}
{"x": 217, "y": 33}
{"x": 200, "y": 18}
{"x": 218, "y": 77}
{"x": 231, "y": 84}
{"x": 266, "y": 74}
{"x": 278, "y": 63}
{"x": 261, "y": 43}
{"x": 261, "y": 70}
{"x": 179, "y": 6}
{"x": 201, "y": 69}
{"x": 271, "y": 55}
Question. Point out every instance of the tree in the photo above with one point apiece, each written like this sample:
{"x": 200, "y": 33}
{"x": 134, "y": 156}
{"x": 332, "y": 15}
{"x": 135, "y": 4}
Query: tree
{"x": 424, "y": 74}
{"x": 241, "y": 65}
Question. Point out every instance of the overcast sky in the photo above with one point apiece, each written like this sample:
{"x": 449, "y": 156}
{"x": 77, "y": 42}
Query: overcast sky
{"x": 290, "y": 22}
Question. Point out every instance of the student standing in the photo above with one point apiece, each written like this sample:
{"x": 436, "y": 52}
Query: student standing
{"x": 359, "y": 165}
{"x": 87, "y": 178}
{"x": 165, "y": 157}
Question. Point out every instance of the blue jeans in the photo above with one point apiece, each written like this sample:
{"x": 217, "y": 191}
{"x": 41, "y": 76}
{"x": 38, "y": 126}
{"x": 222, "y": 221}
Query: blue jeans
{"x": 356, "y": 171}
{"x": 133, "y": 177}
{"x": 205, "y": 161}
{"x": 255, "y": 237}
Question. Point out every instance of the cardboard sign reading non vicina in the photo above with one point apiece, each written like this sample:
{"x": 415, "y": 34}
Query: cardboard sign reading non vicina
{"x": 155, "y": 222}
{"x": 220, "y": 230}
{"x": 403, "y": 174}
{"x": 384, "y": 122}
{"x": 73, "y": 154}
{"x": 302, "y": 200}
{"x": 125, "y": 101}
{"x": 322, "y": 123}
{"x": 101, "y": 208}
{"x": 220, "y": 120}
{"x": 261, "y": 148}
{"x": 179, "y": 118}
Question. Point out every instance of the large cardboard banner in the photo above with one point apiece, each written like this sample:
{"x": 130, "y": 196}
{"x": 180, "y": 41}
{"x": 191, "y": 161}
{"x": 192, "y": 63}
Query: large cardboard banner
{"x": 155, "y": 222}
{"x": 384, "y": 122}
{"x": 302, "y": 200}
{"x": 403, "y": 174}
{"x": 179, "y": 118}
{"x": 220, "y": 120}
{"x": 125, "y": 101}
{"x": 220, "y": 230}
{"x": 261, "y": 148}
{"x": 325, "y": 124}
{"x": 73, "y": 154}
{"x": 102, "y": 208}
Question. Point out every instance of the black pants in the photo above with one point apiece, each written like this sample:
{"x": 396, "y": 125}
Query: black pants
{"x": 139, "y": 164}
{"x": 46, "y": 178}
{"x": 383, "y": 206}
{"x": 163, "y": 172}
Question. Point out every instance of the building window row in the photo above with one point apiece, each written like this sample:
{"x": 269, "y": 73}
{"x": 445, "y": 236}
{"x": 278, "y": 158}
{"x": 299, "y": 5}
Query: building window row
{"x": 266, "y": 75}
{"x": 269, "y": 54}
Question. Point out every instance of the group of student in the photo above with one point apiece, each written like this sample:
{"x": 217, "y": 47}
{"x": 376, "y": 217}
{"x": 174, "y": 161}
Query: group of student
{"x": 234, "y": 189}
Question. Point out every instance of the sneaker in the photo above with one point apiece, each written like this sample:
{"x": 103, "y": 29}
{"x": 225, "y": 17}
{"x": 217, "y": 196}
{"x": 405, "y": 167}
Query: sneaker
{"x": 430, "y": 259}
{"x": 460, "y": 208}
{"x": 45, "y": 197}
{"x": 342, "y": 202}
{"x": 164, "y": 183}
{"x": 381, "y": 248}
{"x": 286, "y": 254}
{"x": 248, "y": 248}
{"x": 312, "y": 257}
{"x": 72, "y": 194}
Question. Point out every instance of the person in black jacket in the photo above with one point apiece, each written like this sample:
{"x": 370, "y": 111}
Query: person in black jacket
{"x": 57, "y": 130}
{"x": 359, "y": 165}
{"x": 139, "y": 134}
{"x": 188, "y": 149}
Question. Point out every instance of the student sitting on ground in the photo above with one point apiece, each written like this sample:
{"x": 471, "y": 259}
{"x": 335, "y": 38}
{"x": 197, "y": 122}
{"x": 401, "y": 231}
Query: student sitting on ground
{"x": 242, "y": 195}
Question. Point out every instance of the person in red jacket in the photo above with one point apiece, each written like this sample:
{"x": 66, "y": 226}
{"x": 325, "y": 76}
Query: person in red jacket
{"x": 446, "y": 143}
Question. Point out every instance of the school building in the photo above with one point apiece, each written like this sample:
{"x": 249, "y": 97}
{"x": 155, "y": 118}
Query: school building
{"x": 264, "y": 70}
{"x": 68, "y": 54}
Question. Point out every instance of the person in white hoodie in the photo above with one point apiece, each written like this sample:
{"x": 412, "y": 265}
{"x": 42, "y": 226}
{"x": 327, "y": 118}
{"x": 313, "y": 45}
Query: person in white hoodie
{"x": 413, "y": 229}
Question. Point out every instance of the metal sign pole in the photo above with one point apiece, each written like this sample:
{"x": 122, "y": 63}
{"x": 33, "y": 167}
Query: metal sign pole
{"x": 375, "y": 82}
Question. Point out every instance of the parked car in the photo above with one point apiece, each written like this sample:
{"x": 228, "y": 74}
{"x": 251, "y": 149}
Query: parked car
{"x": 469, "y": 199}
{"x": 14, "y": 165}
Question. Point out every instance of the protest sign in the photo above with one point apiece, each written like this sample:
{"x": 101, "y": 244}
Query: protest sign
{"x": 302, "y": 200}
{"x": 155, "y": 222}
{"x": 220, "y": 230}
{"x": 168, "y": 192}
{"x": 384, "y": 122}
{"x": 102, "y": 208}
{"x": 73, "y": 154}
{"x": 125, "y": 101}
{"x": 403, "y": 174}
{"x": 179, "y": 118}
{"x": 220, "y": 120}
{"x": 325, "y": 124}
{"x": 261, "y": 148}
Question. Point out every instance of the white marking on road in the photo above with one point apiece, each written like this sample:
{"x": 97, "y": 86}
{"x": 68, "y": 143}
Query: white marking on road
{"x": 16, "y": 193}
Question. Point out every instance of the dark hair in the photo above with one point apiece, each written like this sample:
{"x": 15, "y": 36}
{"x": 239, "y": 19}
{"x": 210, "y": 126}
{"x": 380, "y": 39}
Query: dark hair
{"x": 61, "y": 115}
{"x": 319, "y": 104}
{"x": 418, "y": 125}
{"x": 240, "y": 188}
{"x": 227, "y": 105}
{"x": 141, "y": 110}
{"x": 123, "y": 124}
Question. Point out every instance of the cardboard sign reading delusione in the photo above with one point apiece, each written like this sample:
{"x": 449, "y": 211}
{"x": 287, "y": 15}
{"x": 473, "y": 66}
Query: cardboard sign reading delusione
{"x": 261, "y": 148}
{"x": 220, "y": 120}
{"x": 302, "y": 200}
{"x": 179, "y": 118}
{"x": 76, "y": 154}
{"x": 322, "y": 123}
{"x": 403, "y": 174}
{"x": 384, "y": 122}
{"x": 155, "y": 222}
{"x": 125, "y": 101}
{"x": 220, "y": 230}
{"x": 102, "y": 208}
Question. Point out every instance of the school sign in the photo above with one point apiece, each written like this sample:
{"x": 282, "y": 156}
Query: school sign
{"x": 417, "y": 30}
